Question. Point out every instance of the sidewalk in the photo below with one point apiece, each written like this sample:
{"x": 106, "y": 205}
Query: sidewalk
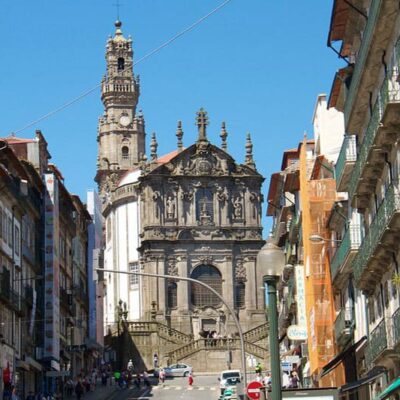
{"x": 100, "y": 393}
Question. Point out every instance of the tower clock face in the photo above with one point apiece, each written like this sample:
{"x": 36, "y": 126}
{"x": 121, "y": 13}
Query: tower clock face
{"x": 124, "y": 120}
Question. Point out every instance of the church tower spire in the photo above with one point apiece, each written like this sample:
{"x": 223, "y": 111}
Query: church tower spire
{"x": 121, "y": 132}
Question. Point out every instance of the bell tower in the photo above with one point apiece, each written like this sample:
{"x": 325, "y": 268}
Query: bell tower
{"x": 121, "y": 131}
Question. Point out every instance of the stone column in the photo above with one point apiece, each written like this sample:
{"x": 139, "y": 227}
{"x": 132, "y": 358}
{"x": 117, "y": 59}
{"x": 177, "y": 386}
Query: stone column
{"x": 227, "y": 271}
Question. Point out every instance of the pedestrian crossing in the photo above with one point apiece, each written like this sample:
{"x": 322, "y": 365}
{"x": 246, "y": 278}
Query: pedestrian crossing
{"x": 177, "y": 388}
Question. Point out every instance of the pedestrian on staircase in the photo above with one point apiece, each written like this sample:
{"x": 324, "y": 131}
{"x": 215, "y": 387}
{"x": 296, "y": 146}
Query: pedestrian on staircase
{"x": 190, "y": 379}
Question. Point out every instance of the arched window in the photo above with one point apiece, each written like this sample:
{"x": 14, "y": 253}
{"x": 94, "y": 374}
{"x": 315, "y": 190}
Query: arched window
{"x": 240, "y": 290}
{"x": 125, "y": 152}
{"x": 121, "y": 64}
{"x": 172, "y": 294}
{"x": 202, "y": 296}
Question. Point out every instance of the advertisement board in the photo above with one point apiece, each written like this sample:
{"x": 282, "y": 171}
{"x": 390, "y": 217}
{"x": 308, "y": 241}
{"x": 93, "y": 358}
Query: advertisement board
{"x": 311, "y": 394}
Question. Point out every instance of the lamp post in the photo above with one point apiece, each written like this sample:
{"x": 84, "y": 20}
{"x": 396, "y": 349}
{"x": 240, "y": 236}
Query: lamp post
{"x": 272, "y": 260}
{"x": 182, "y": 278}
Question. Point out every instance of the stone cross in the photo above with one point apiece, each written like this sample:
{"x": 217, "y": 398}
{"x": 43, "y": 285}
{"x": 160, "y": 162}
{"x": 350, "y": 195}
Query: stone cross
{"x": 202, "y": 122}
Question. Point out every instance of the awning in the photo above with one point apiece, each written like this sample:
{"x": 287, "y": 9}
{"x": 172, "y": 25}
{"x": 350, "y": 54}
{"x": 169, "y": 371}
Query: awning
{"x": 394, "y": 386}
{"x": 371, "y": 376}
{"x": 33, "y": 363}
{"x": 22, "y": 365}
{"x": 338, "y": 359}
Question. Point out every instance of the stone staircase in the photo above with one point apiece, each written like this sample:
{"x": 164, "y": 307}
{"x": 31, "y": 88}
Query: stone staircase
{"x": 222, "y": 344}
{"x": 163, "y": 331}
{"x": 256, "y": 334}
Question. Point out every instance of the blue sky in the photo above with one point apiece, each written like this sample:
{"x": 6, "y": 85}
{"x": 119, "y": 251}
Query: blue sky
{"x": 258, "y": 65}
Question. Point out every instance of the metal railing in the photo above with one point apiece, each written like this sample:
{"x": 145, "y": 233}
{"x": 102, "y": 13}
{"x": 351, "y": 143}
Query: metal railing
{"x": 348, "y": 154}
{"x": 344, "y": 323}
{"x": 351, "y": 241}
{"x": 362, "y": 57}
{"x": 388, "y": 207}
{"x": 377, "y": 343}
{"x": 396, "y": 327}
{"x": 389, "y": 92}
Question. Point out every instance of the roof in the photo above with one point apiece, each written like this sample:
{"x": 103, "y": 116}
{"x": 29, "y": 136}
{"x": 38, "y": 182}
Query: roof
{"x": 17, "y": 140}
{"x": 133, "y": 174}
{"x": 340, "y": 77}
{"x": 286, "y": 156}
{"x": 337, "y": 29}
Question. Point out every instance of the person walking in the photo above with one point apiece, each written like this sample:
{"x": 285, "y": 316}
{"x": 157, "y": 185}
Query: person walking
{"x": 162, "y": 376}
{"x": 190, "y": 379}
{"x": 146, "y": 380}
{"x": 79, "y": 390}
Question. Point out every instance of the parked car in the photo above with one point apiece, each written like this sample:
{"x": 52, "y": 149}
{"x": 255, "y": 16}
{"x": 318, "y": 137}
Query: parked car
{"x": 178, "y": 370}
{"x": 229, "y": 378}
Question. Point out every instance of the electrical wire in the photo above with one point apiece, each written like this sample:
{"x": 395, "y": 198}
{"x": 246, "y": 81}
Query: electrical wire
{"x": 145, "y": 57}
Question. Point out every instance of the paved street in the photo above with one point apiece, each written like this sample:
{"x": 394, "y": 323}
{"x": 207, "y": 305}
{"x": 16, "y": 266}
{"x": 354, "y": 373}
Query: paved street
{"x": 204, "y": 387}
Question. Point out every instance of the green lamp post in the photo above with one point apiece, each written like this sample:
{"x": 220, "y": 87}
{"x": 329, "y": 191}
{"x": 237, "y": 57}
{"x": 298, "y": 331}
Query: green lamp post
{"x": 271, "y": 260}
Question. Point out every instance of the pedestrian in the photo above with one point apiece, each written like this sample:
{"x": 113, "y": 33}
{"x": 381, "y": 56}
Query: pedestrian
{"x": 190, "y": 379}
{"x": 30, "y": 396}
{"x": 267, "y": 380}
{"x": 294, "y": 380}
{"x": 258, "y": 368}
{"x": 161, "y": 376}
{"x": 79, "y": 390}
{"x": 14, "y": 395}
{"x": 117, "y": 377}
{"x": 146, "y": 380}
{"x": 285, "y": 379}
{"x": 155, "y": 360}
{"x": 130, "y": 366}
{"x": 138, "y": 380}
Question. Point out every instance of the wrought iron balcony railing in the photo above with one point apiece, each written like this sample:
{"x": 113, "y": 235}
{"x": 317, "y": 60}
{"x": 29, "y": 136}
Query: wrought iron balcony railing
{"x": 377, "y": 343}
{"x": 396, "y": 327}
{"x": 347, "y": 157}
{"x": 389, "y": 206}
{"x": 344, "y": 325}
{"x": 350, "y": 243}
{"x": 362, "y": 57}
{"x": 388, "y": 93}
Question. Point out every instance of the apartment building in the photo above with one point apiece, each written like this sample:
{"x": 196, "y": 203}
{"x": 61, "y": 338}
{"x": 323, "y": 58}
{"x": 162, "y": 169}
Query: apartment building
{"x": 365, "y": 226}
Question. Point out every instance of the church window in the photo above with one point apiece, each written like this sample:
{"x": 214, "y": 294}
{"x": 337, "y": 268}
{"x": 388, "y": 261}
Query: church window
{"x": 121, "y": 64}
{"x": 202, "y": 296}
{"x": 240, "y": 294}
{"x": 172, "y": 294}
{"x": 134, "y": 279}
{"x": 204, "y": 204}
{"x": 125, "y": 152}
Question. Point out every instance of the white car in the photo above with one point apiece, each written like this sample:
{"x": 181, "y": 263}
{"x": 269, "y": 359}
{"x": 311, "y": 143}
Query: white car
{"x": 178, "y": 370}
{"x": 228, "y": 378}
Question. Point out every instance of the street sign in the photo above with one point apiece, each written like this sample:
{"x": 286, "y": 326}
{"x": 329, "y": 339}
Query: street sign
{"x": 253, "y": 390}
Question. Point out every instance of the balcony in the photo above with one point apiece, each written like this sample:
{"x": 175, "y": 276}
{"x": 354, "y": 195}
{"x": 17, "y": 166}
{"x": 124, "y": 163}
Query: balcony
{"x": 372, "y": 258}
{"x": 377, "y": 343}
{"x": 380, "y": 133}
{"x": 8, "y": 295}
{"x": 344, "y": 326}
{"x": 396, "y": 327}
{"x": 294, "y": 229}
{"x": 344, "y": 165}
{"x": 346, "y": 251}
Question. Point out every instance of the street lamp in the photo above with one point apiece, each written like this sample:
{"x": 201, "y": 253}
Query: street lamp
{"x": 318, "y": 239}
{"x": 272, "y": 260}
{"x": 187, "y": 279}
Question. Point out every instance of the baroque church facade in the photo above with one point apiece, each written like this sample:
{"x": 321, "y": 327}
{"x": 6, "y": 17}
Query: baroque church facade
{"x": 194, "y": 212}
